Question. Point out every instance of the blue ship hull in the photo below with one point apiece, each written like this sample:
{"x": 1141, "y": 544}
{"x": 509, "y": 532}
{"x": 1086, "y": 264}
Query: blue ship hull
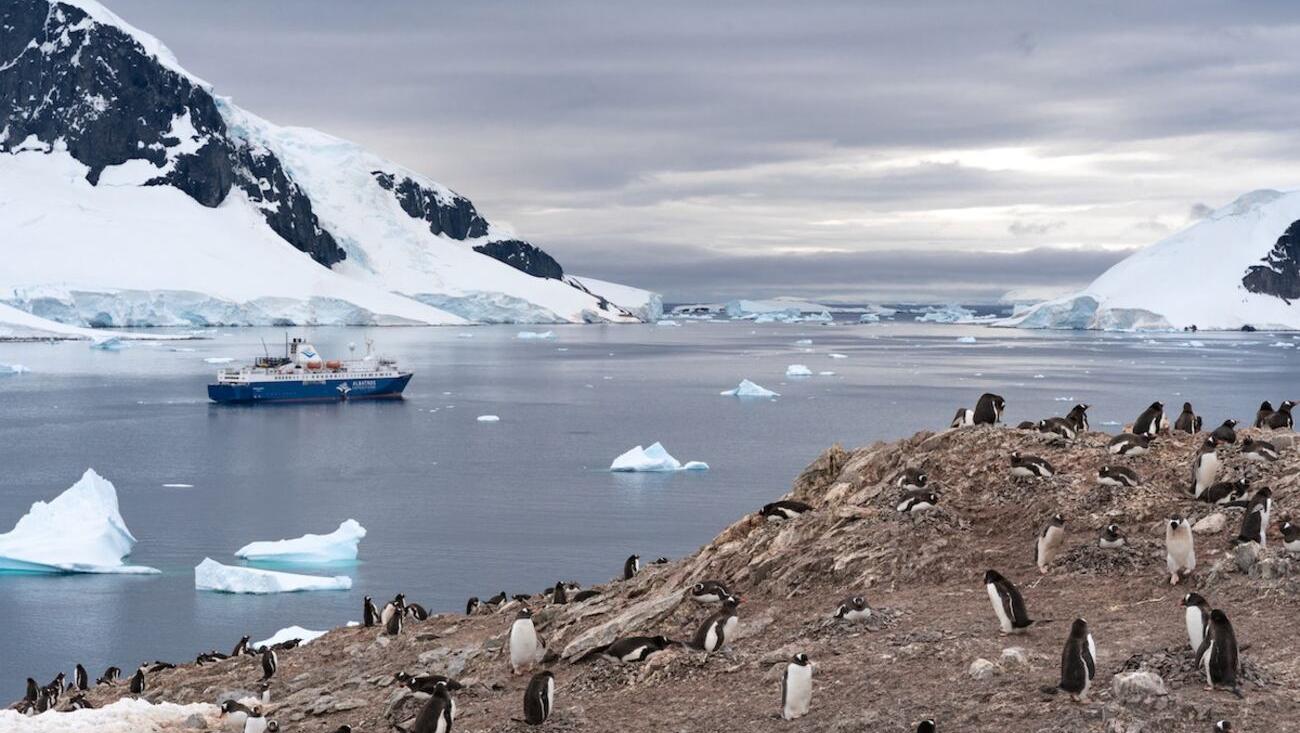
{"x": 315, "y": 390}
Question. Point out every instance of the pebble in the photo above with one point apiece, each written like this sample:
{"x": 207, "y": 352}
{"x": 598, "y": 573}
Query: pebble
{"x": 982, "y": 669}
{"x": 1015, "y": 655}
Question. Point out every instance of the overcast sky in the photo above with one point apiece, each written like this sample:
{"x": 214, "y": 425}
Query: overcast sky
{"x": 909, "y": 150}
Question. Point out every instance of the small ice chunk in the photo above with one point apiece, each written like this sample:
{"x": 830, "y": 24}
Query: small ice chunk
{"x": 825, "y": 374}
{"x": 838, "y": 356}
{"x": 536, "y": 335}
{"x": 178, "y": 486}
{"x": 489, "y": 418}
{"x": 803, "y": 342}
{"x": 868, "y": 318}
{"x": 667, "y": 322}
{"x": 110, "y": 343}
{"x": 212, "y": 575}
{"x": 304, "y": 636}
{"x": 337, "y": 546}
{"x": 798, "y": 370}
{"x": 219, "y": 359}
{"x": 747, "y": 388}
{"x": 966, "y": 340}
{"x": 654, "y": 458}
{"x": 464, "y": 335}
{"x": 13, "y": 369}
{"x": 1196, "y": 344}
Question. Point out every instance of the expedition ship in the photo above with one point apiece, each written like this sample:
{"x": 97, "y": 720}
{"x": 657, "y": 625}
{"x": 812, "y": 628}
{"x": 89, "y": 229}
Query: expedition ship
{"x": 301, "y": 375}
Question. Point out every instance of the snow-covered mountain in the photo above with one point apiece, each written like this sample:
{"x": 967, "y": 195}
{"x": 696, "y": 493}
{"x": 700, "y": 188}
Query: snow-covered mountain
{"x": 132, "y": 195}
{"x": 1238, "y": 267}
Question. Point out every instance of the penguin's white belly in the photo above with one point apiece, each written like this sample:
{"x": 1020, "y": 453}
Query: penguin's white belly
{"x": 386, "y": 614}
{"x": 998, "y": 609}
{"x": 1023, "y": 472}
{"x": 711, "y": 638}
{"x": 633, "y": 655}
{"x": 235, "y": 721}
{"x": 1180, "y": 558}
{"x": 1111, "y": 544}
{"x": 1205, "y": 662}
{"x": 523, "y": 644}
{"x": 1206, "y": 473}
{"x": 1292, "y": 546}
{"x": 255, "y": 725}
{"x": 1194, "y": 630}
{"x": 854, "y": 614}
{"x": 798, "y": 691}
{"x": 729, "y": 628}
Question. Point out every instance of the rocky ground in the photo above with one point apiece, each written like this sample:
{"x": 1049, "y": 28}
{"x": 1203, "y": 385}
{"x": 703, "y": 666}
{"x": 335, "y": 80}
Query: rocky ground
{"x": 933, "y": 648}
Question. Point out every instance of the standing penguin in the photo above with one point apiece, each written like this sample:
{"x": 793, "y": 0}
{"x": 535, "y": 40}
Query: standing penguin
{"x": 539, "y": 698}
{"x": 138, "y": 682}
{"x": 713, "y": 633}
{"x": 1078, "y": 661}
{"x": 525, "y": 647}
{"x": 241, "y": 648}
{"x": 1205, "y": 467}
{"x": 1254, "y": 525}
{"x": 1008, "y": 604}
{"x": 393, "y": 625}
{"x": 1196, "y": 616}
{"x": 988, "y": 411}
{"x": 559, "y": 595}
{"x": 1264, "y": 413}
{"x": 964, "y": 418}
{"x": 796, "y": 687}
{"x": 472, "y": 606}
{"x": 631, "y": 567}
{"x": 269, "y": 664}
{"x": 1281, "y": 420}
{"x": 1180, "y": 554}
{"x": 437, "y": 715}
{"x": 397, "y": 606}
{"x": 1149, "y": 422}
{"x": 369, "y": 614}
{"x": 1187, "y": 421}
{"x": 1078, "y": 417}
{"x": 1218, "y": 654}
{"x": 1111, "y": 538}
{"x": 80, "y": 680}
{"x": 1226, "y": 433}
{"x": 1049, "y": 542}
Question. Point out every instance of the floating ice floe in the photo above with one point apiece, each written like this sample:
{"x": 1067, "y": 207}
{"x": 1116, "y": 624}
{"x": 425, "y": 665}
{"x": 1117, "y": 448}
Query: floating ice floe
{"x": 747, "y": 388}
{"x": 825, "y": 374}
{"x": 126, "y": 715}
{"x": 535, "y": 335}
{"x": 838, "y": 356}
{"x": 219, "y": 359}
{"x": 966, "y": 340}
{"x": 798, "y": 370}
{"x": 111, "y": 343}
{"x": 667, "y": 322}
{"x": 304, "y": 636}
{"x": 79, "y": 531}
{"x": 803, "y": 342}
{"x": 337, "y": 546}
{"x": 654, "y": 458}
{"x": 13, "y": 369}
{"x": 178, "y": 486}
{"x": 464, "y": 335}
{"x": 489, "y": 418}
{"x": 951, "y": 313}
{"x": 212, "y": 575}
{"x": 1196, "y": 344}
{"x": 868, "y": 318}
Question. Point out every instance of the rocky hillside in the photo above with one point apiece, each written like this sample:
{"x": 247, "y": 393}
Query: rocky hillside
{"x": 932, "y": 648}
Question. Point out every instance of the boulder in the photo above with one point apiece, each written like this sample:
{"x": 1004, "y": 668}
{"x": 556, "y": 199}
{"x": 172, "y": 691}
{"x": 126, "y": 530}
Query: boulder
{"x": 1140, "y": 687}
{"x": 1211, "y": 524}
{"x": 982, "y": 669}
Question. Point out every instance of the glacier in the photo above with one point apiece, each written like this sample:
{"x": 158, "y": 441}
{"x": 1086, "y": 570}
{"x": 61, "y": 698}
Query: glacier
{"x": 211, "y": 575}
{"x": 304, "y": 636}
{"x": 653, "y": 459}
{"x": 310, "y": 549}
{"x": 79, "y": 531}
{"x": 747, "y": 388}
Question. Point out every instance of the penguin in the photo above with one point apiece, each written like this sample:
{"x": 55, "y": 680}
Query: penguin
{"x": 237, "y": 712}
{"x": 1254, "y": 525}
{"x": 1196, "y": 615}
{"x": 269, "y": 664}
{"x": 256, "y": 722}
{"x": 280, "y": 646}
{"x": 539, "y": 698}
{"x": 33, "y": 691}
{"x": 1187, "y": 421}
{"x": 1217, "y": 654}
{"x": 1078, "y": 417}
{"x": 912, "y": 479}
{"x": 1078, "y": 661}
{"x": 1227, "y": 492}
{"x": 526, "y": 648}
{"x": 1227, "y": 432}
{"x": 369, "y": 614}
{"x": 1180, "y": 552}
{"x": 1148, "y": 423}
{"x": 1057, "y": 426}
{"x": 1205, "y": 467}
{"x": 1291, "y": 537}
{"x": 1264, "y": 413}
{"x": 1129, "y": 444}
{"x": 393, "y": 626}
{"x": 988, "y": 411}
{"x": 926, "y": 726}
{"x": 80, "y": 680}
{"x": 426, "y": 682}
{"x": 964, "y": 418}
{"x": 631, "y": 649}
{"x": 110, "y": 676}
{"x": 1008, "y": 604}
{"x": 498, "y": 600}
{"x": 559, "y": 595}
{"x": 264, "y": 692}
{"x": 1030, "y": 466}
{"x": 1261, "y": 451}
{"x": 395, "y": 606}
{"x": 1118, "y": 476}
{"x": 712, "y": 634}
{"x": 709, "y": 591}
{"x": 918, "y": 501}
{"x": 585, "y": 595}
{"x": 1049, "y": 542}
{"x": 417, "y": 612}
{"x": 1111, "y": 538}
{"x": 796, "y": 687}
{"x": 1026, "y": 425}
{"x": 472, "y": 606}
{"x": 631, "y": 566}
{"x": 138, "y": 682}
{"x": 853, "y": 609}
{"x": 1223, "y": 726}
{"x": 156, "y": 666}
{"x": 521, "y": 597}
{"x": 79, "y": 702}
{"x": 1281, "y": 420}
{"x": 660, "y": 561}
{"x": 437, "y": 715}
{"x": 241, "y": 648}
{"x": 779, "y": 511}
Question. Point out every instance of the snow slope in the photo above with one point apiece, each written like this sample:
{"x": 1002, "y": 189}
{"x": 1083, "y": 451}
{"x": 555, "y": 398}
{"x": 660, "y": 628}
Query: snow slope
{"x": 127, "y": 715}
{"x": 1196, "y": 277}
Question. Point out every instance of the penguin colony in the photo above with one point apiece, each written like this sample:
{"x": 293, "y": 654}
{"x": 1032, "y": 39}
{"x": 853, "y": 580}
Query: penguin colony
{"x": 1210, "y": 634}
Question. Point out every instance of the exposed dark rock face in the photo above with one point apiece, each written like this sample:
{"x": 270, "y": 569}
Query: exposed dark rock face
{"x": 1280, "y": 273}
{"x": 456, "y": 218}
{"x": 523, "y": 256}
{"x": 284, "y": 204}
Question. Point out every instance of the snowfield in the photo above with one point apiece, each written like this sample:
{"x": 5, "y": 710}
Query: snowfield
{"x": 127, "y": 715}
{"x": 310, "y": 549}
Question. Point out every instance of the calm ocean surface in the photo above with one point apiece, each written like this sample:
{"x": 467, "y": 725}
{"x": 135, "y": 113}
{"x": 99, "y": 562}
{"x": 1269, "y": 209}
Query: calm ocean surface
{"x": 455, "y": 507}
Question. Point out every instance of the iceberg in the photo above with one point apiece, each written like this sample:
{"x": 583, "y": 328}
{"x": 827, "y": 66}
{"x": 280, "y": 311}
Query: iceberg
{"x": 337, "y": 546}
{"x": 79, "y": 531}
{"x": 966, "y": 340}
{"x": 868, "y": 318}
{"x": 654, "y": 458}
{"x": 304, "y": 636}
{"x": 111, "y": 343}
{"x": 526, "y": 335}
{"x": 951, "y": 313}
{"x": 212, "y": 575}
{"x": 489, "y": 418}
{"x": 126, "y": 715}
{"x": 798, "y": 370}
{"x": 13, "y": 369}
{"x": 747, "y": 388}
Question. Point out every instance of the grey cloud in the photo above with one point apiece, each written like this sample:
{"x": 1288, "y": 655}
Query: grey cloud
{"x": 1033, "y": 228}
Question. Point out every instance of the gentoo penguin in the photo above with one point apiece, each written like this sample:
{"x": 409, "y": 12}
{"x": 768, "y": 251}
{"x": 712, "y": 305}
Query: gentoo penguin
{"x": 138, "y": 682}
{"x": 912, "y": 479}
{"x": 964, "y": 418}
{"x": 110, "y": 676}
{"x": 660, "y": 561}
{"x": 522, "y": 597}
{"x": 525, "y": 647}
{"x": 79, "y": 702}
{"x": 157, "y": 666}
{"x": 33, "y": 691}
{"x": 631, "y": 649}
{"x": 709, "y": 591}
{"x": 1227, "y": 492}
{"x": 1129, "y": 444}
{"x": 559, "y": 595}
{"x": 1180, "y": 554}
{"x": 393, "y": 625}
{"x": 417, "y": 612}
{"x": 796, "y": 687}
{"x": 1205, "y": 467}
{"x": 471, "y": 606}
{"x": 1148, "y": 423}
{"x": 1291, "y": 537}
{"x": 1078, "y": 417}
{"x": 585, "y": 595}
{"x": 853, "y": 609}
{"x": 1258, "y": 450}
{"x": 1196, "y": 615}
{"x": 1057, "y": 426}
{"x": 80, "y": 680}
{"x": 1281, "y": 420}
{"x": 1030, "y": 466}
{"x": 988, "y": 411}
{"x": 1227, "y": 432}
{"x": 1217, "y": 654}
{"x": 779, "y": 511}
{"x": 1264, "y": 413}
{"x": 1078, "y": 661}
{"x": 1111, "y": 538}
{"x": 269, "y": 664}
{"x": 926, "y": 726}
{"x": 241, "y": 648}
{"x": 918, "y": 501}
{"x": 1118, "y": 476}
{"x": 498, "y": 600}
{"x": 256, "y": 721}
{"x": 631, "y": 566}
{"x": 426, "y": 682}
{"x": 1049, "y": 542}
{"x": 436, "y": 716}
{"x": 236, "y": 712}
{"x": 1223, "y": 726}
{"x": 539, "y": 698}
{"x": 713, "y": 633}
{"x": 1187, "y": 421}
{"x": 1008, "y": 604}
{"x": 1026, "y": 425}
{"x": 395, "y": 606}
{"x": 1254, "y": 525}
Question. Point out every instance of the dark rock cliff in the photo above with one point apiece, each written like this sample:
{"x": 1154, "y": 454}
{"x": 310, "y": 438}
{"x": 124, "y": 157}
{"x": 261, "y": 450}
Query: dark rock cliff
{"x": 1280, "y": 273}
